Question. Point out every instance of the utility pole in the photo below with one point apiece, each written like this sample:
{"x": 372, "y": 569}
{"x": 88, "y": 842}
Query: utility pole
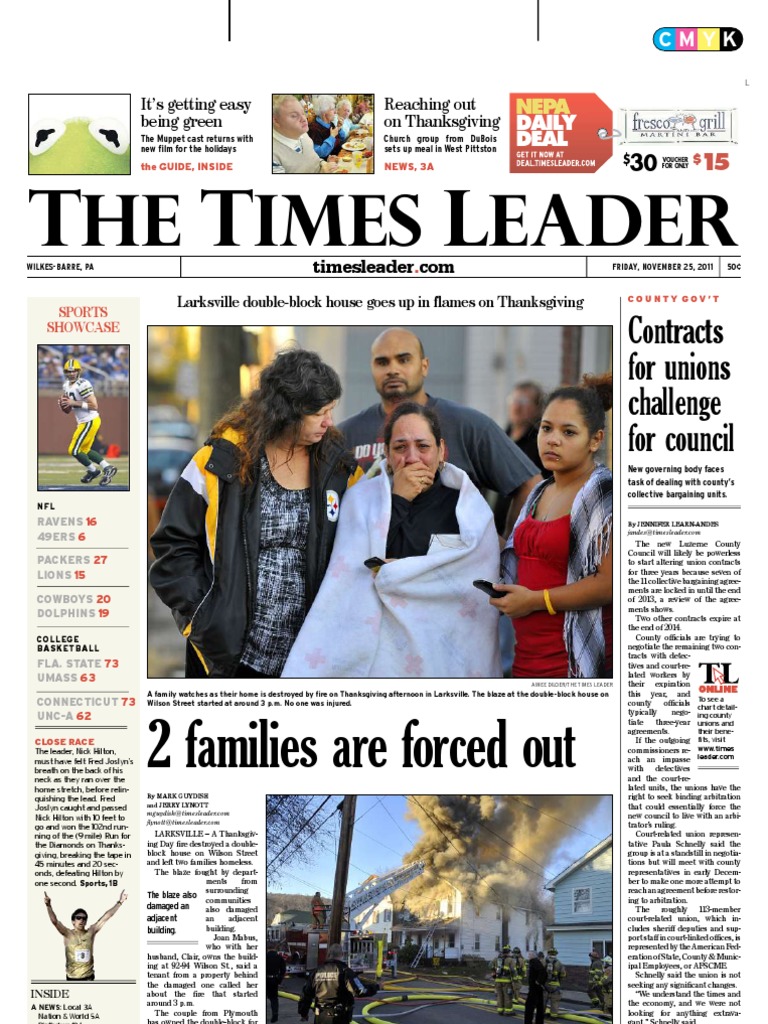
{"x": 221, "y": 353}
{"x": 342, "y": 868}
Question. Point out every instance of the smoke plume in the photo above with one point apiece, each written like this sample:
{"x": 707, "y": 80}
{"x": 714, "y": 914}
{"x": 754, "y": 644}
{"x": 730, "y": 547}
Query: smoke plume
{"x": 498, "y": 849}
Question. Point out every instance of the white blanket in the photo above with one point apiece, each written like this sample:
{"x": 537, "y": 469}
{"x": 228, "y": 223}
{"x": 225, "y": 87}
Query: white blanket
{"x": 417, "y": 616}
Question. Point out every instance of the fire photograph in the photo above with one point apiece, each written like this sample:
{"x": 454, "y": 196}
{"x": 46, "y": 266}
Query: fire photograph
{"x": 451, "y": 907}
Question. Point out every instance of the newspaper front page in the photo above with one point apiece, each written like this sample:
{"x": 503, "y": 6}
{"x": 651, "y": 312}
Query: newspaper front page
{"x": 245, "y": 741}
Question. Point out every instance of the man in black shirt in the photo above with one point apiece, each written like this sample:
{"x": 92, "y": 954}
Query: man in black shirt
{"x": 537, "y": 979}
{"x": 275, "y": 974}
{"x": 474, "y": 442}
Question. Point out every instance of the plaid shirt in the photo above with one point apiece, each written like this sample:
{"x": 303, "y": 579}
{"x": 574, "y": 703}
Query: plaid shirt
{"x": 279, "y": 606}
{"x": 591, "y": 531}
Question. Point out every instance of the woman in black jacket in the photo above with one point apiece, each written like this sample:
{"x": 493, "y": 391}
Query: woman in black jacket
{"x": 247, "y": 533}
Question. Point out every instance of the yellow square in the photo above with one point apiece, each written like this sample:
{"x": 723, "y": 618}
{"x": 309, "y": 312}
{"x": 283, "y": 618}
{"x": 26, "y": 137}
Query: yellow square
{"x": 709, "y": 39}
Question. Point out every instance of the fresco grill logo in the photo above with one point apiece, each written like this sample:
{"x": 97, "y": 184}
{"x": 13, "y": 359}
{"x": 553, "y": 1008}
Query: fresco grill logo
{"x": 676, "y": 125}
{"x": 697, "y": 40}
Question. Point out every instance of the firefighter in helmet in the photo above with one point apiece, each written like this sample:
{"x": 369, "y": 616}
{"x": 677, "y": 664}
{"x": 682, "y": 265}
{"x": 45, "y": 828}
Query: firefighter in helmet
{"x": 519, "y": 972}
{"x": 318, "y": 911}
{"x": 607, "y": 985}
{"x": 502, "y": 976}
{"x": 555, "y": 978}
{"x": 595, "y": 980}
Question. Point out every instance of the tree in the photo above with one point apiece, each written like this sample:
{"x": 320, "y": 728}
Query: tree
{"x": 297, "y": 826}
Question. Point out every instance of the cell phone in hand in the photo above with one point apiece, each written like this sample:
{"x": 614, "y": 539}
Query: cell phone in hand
{"x": 488, "y": 588}
{"x": 374, "y": 563}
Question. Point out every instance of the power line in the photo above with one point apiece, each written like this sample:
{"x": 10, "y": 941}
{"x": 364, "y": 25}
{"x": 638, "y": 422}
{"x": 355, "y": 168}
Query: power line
{"x": 301, "y": 829}
{"x": 397, "y": 824}
{"x": 560, "y": 821}
{"x": 525, "y": 867}
{"x": 379, "y": 800}
{"x": 303, "y": 881}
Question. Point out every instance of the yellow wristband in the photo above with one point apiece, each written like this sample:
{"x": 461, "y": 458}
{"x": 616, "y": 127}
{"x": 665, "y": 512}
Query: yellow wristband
{"x": 548, "y": 603}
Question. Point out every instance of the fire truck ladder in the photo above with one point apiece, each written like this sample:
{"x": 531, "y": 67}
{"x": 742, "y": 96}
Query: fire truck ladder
{"x": 425, "y": 943}
{"x": 376, "y": 887}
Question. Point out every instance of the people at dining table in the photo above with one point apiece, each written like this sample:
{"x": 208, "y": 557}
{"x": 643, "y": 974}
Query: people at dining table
{"x": 361, "y": 111}
{"x": 293, "y": 151}
{"x": 327, "y": 135}
{"x": 344, "y": 115}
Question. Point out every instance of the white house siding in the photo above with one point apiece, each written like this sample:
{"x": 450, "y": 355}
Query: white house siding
{"x": 524, "y": 930}
{"x": 379, "y": 922}
{"x": 481, "y": 921}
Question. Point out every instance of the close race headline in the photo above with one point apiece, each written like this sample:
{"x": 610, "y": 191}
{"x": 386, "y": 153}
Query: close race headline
{"x": 241, "y": 217}
{"x": 264, "y": 748}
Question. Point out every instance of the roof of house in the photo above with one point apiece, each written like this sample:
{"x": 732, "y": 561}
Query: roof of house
{"x": 299, "y": 916}
{"x": 588, "y": 856}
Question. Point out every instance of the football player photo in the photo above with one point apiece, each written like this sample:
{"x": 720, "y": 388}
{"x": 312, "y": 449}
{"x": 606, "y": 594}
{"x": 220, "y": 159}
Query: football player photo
{"x": 82, "y": 416}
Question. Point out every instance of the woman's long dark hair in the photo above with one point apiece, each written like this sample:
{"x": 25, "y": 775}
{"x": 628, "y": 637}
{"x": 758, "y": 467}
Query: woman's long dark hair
{"x": 294, "y": 385}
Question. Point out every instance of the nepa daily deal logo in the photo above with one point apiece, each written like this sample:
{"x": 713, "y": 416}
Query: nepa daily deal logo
{"x": 697, "y": 40}
{"x": 557, "y": 133}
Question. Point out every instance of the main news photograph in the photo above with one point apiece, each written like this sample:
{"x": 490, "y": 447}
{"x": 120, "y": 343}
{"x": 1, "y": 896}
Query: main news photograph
{"x": 450, "y": 907}
{"x": 380, "y": 502}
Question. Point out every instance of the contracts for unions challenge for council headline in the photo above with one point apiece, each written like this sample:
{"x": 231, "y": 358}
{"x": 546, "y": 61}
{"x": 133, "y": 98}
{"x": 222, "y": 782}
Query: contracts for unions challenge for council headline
{"x": 667, "y": 401}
